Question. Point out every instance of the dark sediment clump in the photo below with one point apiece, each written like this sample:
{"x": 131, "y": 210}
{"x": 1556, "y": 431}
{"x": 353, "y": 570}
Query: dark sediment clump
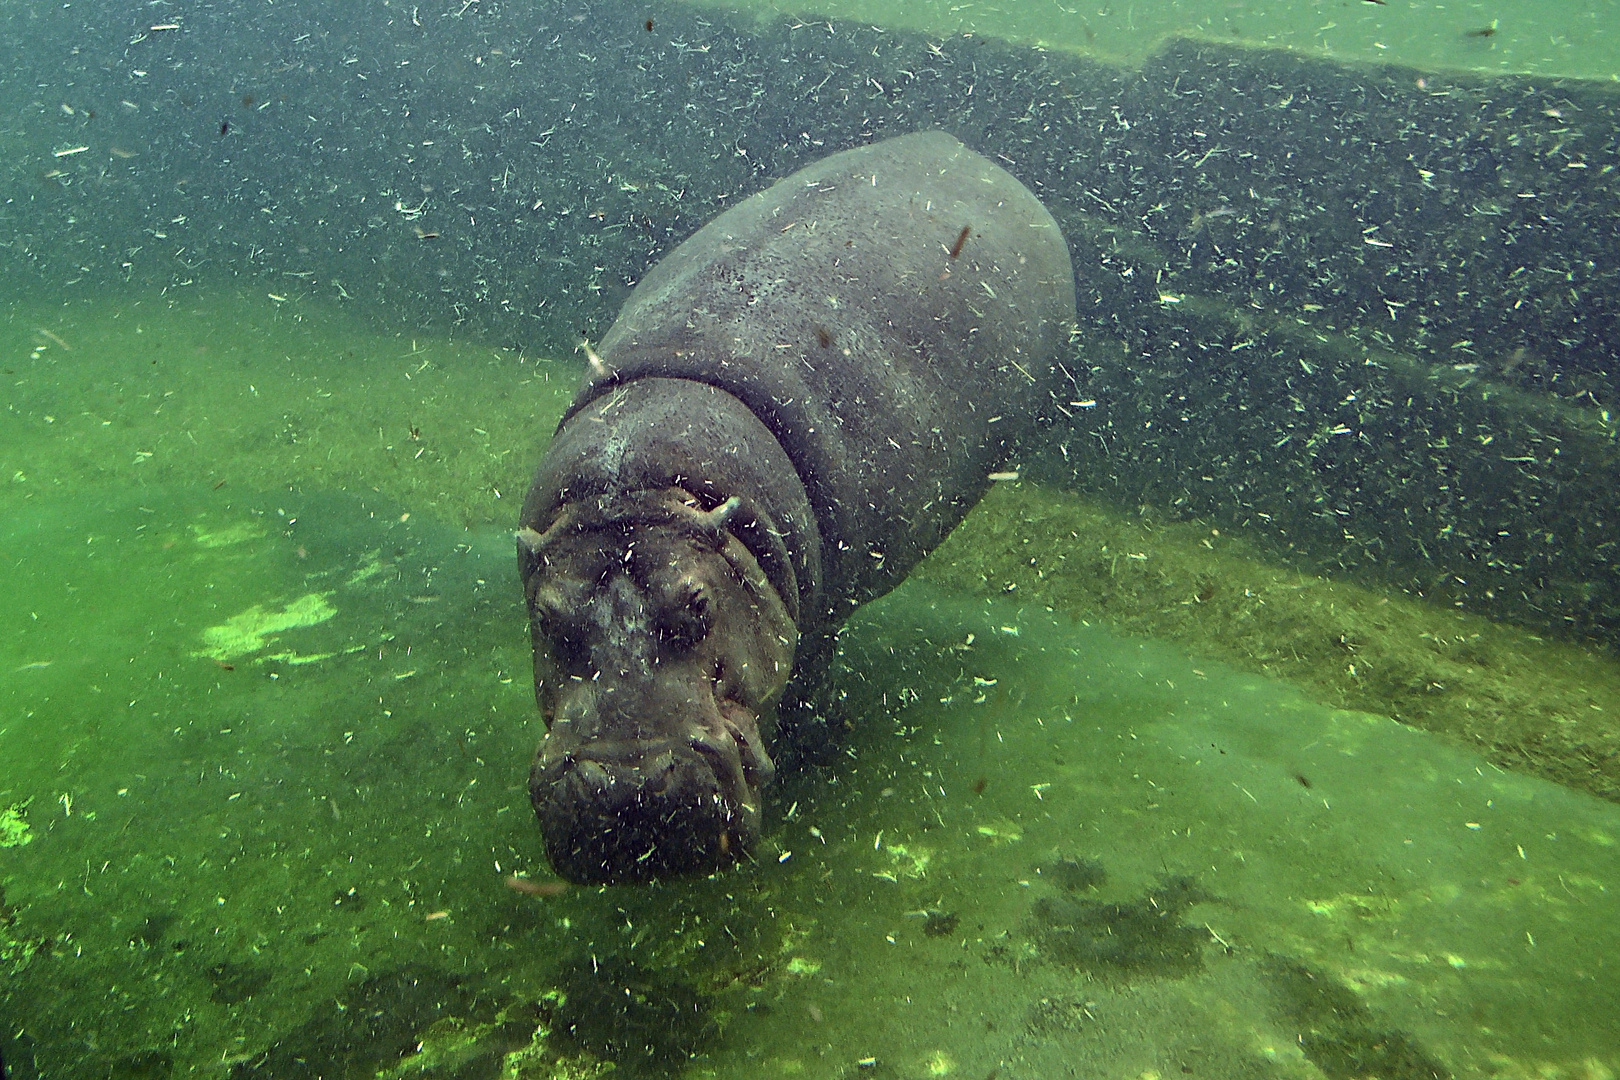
{"x": 1338, "y": 1033}
{"x": 234, "y": 981}
{"x": 142, "y": 1065}
{"x": 1388, "y": 1055}
{"x": 154, "y": 929}
{"x": 641, "y": 1020}
{"x": 1073, "y": 874}
{"x": 372, "y": 1027}
{"x": 1134, "y": 939}
{"x": 1313, "y": 999}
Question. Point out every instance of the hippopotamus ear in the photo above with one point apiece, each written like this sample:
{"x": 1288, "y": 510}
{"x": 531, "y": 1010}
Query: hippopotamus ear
{"x": 721, "y": 516}
{"x": 677, "y": 505}
{"x": 528, "y": 549}
{"x": 764, "y": 542}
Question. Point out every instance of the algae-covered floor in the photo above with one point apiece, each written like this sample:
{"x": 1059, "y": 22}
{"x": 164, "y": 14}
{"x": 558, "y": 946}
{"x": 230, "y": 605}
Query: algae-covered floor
{"x": 265, "y": 723}
{"x": 1579, "y": 38}
{"x": 1546, "y": 706}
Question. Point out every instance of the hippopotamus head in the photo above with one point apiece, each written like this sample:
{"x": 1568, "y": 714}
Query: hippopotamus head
{"x": 660, "y": 648}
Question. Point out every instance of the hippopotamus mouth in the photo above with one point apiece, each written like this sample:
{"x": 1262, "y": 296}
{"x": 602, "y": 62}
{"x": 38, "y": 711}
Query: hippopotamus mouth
{"x": 637, "y": 809}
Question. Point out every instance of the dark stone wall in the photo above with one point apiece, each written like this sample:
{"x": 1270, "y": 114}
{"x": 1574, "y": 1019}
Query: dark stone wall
{"x": 1370, "y": 314}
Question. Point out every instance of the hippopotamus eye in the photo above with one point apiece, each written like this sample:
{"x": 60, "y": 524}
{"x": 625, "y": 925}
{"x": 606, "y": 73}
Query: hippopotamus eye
{"x": 572, "y": 655}
{"x": 685, "y": 623}
{"x": 567, "y": 645}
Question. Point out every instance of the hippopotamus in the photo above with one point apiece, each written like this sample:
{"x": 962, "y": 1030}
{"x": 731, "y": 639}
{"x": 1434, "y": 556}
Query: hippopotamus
{"x": 792, "y": 408}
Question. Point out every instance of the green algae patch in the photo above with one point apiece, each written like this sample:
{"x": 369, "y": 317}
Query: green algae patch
{"x": 14, "y": 830}
{"x": 1528, "y": 702}
{"x": 253, "y": 629}
{"x": 298, "y": 659}
{"x": 465, "y": 1046}
{"x": 14, "y": 954}
{"x": 370, "y": 569}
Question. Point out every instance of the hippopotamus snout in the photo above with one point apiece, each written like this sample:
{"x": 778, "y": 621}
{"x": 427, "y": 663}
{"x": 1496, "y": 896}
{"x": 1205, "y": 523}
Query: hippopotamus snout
{"x": 617, "y": 810}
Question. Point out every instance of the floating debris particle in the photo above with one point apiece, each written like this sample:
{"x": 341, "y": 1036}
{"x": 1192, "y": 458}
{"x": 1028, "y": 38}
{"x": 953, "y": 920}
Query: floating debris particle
{"x": 1000, "y": 831}
{"x": 535, "y": 888}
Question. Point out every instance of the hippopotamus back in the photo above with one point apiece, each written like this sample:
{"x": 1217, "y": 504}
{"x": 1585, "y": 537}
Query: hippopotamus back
{"x": 897, "y": 359}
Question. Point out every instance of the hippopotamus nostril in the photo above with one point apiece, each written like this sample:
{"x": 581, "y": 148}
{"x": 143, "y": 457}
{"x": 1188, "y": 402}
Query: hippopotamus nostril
{"x": 589, "y": 775}
{"x": 611, "y": 820}
{"x": 661, "y": 775}
{"x": 727, "y": 772}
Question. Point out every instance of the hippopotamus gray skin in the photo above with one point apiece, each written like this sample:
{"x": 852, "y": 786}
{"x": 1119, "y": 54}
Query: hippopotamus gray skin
{"x": 792, "y": 408}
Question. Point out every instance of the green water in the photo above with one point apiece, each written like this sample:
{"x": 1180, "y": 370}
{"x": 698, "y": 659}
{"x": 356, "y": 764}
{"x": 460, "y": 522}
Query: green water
{"x": 265, "y": 713}
{"x": 1573, "y": 39}
{"x": 266, "y": 724}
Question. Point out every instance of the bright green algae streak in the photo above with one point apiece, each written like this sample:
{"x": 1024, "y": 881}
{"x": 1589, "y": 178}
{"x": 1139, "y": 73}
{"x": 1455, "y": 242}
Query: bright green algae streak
{"x": 14, "y": 831}
{"x": 1047, "y": 847}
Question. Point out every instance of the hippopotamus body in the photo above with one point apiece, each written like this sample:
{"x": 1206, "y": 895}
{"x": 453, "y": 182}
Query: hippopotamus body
{"x": 792, "y": 408}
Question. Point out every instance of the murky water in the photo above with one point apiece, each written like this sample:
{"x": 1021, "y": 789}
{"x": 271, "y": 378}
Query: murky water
{"x": 265, "y": 702}
{"x": 267, "y": 751}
